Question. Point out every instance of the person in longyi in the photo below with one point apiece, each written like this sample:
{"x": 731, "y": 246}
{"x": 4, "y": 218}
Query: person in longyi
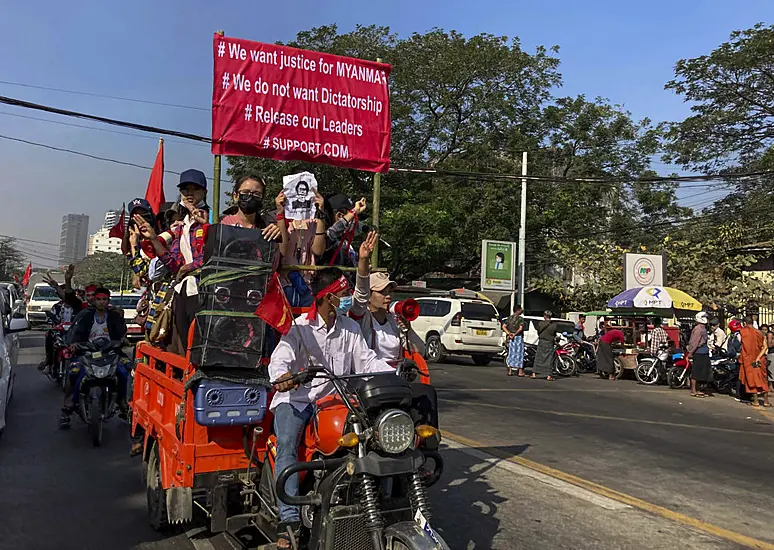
{"x": 752, "y": 369}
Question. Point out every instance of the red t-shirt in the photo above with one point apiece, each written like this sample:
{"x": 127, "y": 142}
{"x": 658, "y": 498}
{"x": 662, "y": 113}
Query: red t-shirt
{"x": 611, "y": 336}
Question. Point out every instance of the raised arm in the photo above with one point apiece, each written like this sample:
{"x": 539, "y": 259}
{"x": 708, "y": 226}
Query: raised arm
{"x": 362, "y": 294}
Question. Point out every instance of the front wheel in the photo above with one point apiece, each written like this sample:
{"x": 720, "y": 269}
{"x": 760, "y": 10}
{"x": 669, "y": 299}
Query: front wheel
{"x": 434, "y": 349}
{"x": 674, "y": 378}
{"x": 565, "y": 365}
{"x": 408, "y": 535}
{"x": 647, "y": 372}
{"x": 94, "y": 416}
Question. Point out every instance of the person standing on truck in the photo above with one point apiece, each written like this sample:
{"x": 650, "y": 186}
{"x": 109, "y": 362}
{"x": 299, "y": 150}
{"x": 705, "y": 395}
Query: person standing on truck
{"x": 186, "y": 252}
{"x": 383, "y": 331}
{"x": 246, "y": 212}
{"x": 327, "y": 337}
{"x": 89, "y": 325}
{"x": 343, "y": 219}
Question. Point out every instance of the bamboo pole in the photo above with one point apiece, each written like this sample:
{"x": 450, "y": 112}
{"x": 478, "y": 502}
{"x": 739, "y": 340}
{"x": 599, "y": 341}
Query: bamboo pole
{"x": 376, "y": 204}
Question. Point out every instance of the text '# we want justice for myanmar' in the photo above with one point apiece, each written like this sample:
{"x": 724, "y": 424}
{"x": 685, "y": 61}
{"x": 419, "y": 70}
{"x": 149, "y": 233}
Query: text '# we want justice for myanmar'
{"x": 289, "y": 104}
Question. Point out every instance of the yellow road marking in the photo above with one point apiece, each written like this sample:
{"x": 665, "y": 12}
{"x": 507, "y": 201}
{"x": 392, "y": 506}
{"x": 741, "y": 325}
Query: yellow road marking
{"x": 601, "y": 490}
{"x": 614, "y": 418}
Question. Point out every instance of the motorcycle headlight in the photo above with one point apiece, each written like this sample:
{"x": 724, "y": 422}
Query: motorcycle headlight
{"x": 394, "y": 431}
{"x": 100, "y": 371}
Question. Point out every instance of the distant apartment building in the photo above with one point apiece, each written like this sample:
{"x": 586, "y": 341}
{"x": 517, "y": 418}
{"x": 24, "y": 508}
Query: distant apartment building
{"x": 102, "y": 242}
{"x": 111, "y": 219}
{"x": 74, "y": 238}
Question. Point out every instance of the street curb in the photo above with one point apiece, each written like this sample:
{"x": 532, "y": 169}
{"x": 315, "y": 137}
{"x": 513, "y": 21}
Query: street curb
{"x": 612, "y": 494}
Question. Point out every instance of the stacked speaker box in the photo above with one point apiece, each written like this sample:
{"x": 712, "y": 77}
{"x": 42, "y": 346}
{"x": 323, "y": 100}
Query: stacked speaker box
{"x": 233, "y": 279}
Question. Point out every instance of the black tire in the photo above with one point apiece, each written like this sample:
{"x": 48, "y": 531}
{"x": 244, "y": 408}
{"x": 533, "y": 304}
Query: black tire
{"x": 481, "y": 360}
{"x": 564, "y": 365}
{"x": 673, "y": 378}
{"x": 641, "y": 372}
{"x": 95, "y": 417}
{"x": 434, "y": 349}
{"x": 618, "y": 368}
{"x": 156, "y": 496}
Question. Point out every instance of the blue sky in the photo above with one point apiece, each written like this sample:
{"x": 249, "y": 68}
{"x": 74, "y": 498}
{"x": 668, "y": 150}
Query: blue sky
{"x": 161, "y": 51}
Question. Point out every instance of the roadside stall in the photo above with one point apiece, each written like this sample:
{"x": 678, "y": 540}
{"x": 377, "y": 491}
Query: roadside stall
{"x": 633, "y": 310}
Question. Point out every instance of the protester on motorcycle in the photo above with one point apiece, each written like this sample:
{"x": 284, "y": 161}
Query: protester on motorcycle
{"x": 89, "y": 325}
{"x": 385, "y": 333}
{"x": 324, "y": 337}
{"x": 61, "y": 313}
{"x": 185, "y": 253}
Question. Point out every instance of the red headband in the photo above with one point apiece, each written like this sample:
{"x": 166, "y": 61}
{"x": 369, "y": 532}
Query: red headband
{"x": 336, "y": 286}
{"x": 91, "y": 288}
{"x": 102, "y": 295}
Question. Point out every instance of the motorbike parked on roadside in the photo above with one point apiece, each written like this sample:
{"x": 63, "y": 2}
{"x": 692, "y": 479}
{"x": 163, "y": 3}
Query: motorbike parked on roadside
{"x": 679, "y": 373}
{"x": 364, "y": 467}
{"x": 97, "y": 384}
{"x": 652, "y": 370}
{"x": 564, "y": 363}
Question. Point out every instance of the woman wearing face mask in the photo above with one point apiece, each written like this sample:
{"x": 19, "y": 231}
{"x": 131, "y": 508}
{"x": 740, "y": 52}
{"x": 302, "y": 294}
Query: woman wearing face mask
{"x": 185, "y": 253}
{"x": 385, "y": 333}
{"x": 341, "y": 214}
{"x": 246, "y": 212}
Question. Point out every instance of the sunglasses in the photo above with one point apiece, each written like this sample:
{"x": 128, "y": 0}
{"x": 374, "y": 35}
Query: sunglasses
{"x": 244, "y": 195}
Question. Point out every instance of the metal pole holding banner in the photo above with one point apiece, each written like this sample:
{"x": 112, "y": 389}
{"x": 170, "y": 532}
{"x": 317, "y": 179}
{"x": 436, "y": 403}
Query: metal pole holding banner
{"x": 216, "y": 191}
{"x": 216, "y": 178}
{"x": 523, "y": 231}
{"x": 375, "y": 205}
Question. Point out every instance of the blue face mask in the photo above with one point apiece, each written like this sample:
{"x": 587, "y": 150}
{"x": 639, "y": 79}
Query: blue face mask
{"x": 345, "y": 304}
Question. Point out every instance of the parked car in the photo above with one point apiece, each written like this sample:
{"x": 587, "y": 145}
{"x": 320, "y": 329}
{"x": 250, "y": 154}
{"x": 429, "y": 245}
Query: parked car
{"x": 128, "y": 302}
{"x": 13, "y": 306}
{"x": 458, "y": 324}
{"x": 9, "y": 353}
{"x": 42, "y": 299}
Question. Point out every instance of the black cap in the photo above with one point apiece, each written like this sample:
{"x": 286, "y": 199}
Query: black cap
{"x": 340, "y": 202}
{"x": 140, "y": 203}
{"x": 194, "y": 176}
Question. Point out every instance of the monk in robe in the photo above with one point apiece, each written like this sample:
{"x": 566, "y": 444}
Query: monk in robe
{"x": 752, "y": 370}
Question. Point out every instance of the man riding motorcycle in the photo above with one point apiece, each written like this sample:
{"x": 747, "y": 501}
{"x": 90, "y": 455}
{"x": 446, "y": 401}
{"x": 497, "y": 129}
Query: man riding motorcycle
{"x": 61, "y": 313}
{"x": 324, "y": 337}
{"x": 95, "y": 322}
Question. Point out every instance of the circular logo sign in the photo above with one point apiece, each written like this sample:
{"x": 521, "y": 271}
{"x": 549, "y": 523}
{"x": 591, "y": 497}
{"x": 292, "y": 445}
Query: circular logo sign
{"x": 644, "y": 272}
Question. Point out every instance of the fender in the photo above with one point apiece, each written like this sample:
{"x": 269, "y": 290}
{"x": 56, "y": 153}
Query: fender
{"x": 410, "y": 535}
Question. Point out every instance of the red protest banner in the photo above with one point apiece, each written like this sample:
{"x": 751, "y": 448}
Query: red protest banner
{"x": 289, "y": 104}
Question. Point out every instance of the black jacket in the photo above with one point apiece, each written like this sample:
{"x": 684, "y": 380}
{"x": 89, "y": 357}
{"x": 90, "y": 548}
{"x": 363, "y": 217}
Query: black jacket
{"x": 79, "y": 332}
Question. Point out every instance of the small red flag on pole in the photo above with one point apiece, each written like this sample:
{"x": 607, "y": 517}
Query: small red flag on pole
{"x": 27, "y": 274}
{"x": 155, "y": 193}
{"x": 118, "y": 230}
{"x": 274, "y": 308}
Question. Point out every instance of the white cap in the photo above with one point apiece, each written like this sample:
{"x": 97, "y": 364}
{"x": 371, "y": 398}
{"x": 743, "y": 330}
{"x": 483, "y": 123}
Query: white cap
{"x": 702, "y": 318}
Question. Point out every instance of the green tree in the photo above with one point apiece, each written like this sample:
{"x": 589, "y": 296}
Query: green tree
{"x": 11, "y": 259}
{"x": 108, "y": 269}
{"x": 731, "y": 91}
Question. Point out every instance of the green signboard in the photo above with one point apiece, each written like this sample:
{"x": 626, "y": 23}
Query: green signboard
{"x": 498, "y": 266}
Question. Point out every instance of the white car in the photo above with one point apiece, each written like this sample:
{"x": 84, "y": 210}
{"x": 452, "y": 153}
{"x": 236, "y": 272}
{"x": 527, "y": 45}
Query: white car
{"x": 9, "y": 353}
{"x": 460, "y": 324}
{"x": 13, "y": 306}
{"x": 128, "y": 302}
{"x": 42, "y": 299}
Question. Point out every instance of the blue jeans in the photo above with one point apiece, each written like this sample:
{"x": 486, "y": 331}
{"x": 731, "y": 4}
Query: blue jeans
{"x": 289, "y": 425}
{"x": 516, "y": 353}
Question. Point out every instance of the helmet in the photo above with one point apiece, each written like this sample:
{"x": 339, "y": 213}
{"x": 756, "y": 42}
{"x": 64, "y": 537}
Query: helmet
{"x": 702, "y": 318}
{"x": 734, "y": 325}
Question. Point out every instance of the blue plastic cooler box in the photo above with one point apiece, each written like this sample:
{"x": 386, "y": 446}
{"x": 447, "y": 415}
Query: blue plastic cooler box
{"x": 219, "y": 403}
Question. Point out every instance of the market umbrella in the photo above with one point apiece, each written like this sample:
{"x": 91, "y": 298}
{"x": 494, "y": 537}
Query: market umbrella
{"x": 654, "y": 298}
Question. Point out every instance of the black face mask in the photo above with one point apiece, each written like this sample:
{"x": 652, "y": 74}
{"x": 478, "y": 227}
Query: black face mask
{"x": 250, "y": 205}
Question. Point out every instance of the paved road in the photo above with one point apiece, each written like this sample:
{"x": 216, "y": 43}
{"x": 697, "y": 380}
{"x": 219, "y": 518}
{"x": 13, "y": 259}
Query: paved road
{"x": 57, "y": 492}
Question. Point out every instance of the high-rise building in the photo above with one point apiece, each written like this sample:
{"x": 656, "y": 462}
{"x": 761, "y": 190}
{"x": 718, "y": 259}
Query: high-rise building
{"x": 74, "y": 238}
{"x": 111, "y": 219}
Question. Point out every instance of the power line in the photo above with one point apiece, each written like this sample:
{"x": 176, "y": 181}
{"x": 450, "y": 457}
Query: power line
{"x": 27, "y": 240}
{"x": 91, "y": 94}
{"x": 70, "y": 124}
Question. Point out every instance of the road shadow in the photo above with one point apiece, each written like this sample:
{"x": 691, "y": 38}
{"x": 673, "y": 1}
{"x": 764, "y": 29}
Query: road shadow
{"x": 465, "y": 504}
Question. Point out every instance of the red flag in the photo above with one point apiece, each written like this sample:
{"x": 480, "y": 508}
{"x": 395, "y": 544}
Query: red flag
{"x": 274, "y": 308}
{"x": 117, "y": 231}
{"x": 155, "y": 193}
{"x": 16, "y": 278}
{"x": 27, "y": 275}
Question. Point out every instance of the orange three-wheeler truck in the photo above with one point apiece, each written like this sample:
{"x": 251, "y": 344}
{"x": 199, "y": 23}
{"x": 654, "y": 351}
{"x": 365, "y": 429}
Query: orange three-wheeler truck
{"x": 365, "y": 459}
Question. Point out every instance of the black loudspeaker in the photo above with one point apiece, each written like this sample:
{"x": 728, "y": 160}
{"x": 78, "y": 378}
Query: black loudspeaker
{"x": 230, "y": 245}
{"x": 229, "y": 341}
{"x": 233, "y": 279}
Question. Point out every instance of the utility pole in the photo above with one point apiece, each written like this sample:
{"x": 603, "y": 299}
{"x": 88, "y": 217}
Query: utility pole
{"x": 375, "y": 207}
{"x": 523, "y": 231}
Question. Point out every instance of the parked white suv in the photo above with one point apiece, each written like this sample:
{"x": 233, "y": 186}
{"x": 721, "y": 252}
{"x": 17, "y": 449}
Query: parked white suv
{"x": 460, "y": 324}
